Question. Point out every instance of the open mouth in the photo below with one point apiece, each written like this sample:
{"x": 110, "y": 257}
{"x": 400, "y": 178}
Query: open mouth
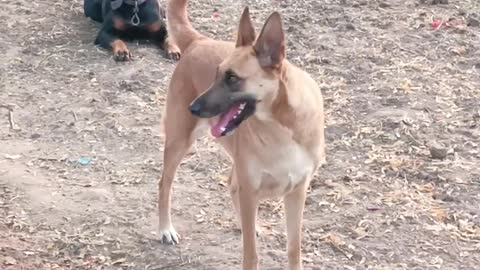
{"x": 232, "y": 118}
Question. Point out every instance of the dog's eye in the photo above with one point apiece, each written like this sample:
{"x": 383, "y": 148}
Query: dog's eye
{"x": 231, "y": 77}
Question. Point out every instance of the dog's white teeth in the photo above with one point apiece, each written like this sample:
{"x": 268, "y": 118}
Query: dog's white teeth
{"x": 240, "y": 109}
{"x": 223, "y": 129}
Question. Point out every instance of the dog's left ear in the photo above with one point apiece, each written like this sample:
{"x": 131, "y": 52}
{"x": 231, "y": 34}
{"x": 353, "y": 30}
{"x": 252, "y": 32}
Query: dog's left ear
{"x": 116, "y": 4}
{"x": 270, "y": 44}
{"x": 246, "y": 32}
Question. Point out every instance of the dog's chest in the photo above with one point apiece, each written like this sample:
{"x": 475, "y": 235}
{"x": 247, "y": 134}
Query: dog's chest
{"x": 280, "y": 168}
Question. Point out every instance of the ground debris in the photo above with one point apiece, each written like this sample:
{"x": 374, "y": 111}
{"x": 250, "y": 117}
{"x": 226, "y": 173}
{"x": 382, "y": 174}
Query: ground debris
{"x": 438, "y": 151}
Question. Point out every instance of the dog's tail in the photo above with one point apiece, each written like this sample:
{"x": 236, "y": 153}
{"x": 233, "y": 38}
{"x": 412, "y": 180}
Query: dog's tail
{"x": 179, "y": 27}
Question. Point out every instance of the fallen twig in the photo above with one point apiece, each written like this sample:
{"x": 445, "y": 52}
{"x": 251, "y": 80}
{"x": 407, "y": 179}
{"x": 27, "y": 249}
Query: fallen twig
{"x": 74, "y": 116}
{"x": 10, "y": 119}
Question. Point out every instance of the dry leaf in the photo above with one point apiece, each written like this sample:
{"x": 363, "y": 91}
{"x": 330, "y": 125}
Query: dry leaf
{"x": 440, "y": 214}
{"x": 406, "y": 86}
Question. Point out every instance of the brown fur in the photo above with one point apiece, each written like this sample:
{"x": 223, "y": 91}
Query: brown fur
{"x": 275, "y": 152}
{"x": 154, "y": 27}
{"x": 120, "y": 49}
{"x": 119, "y": 24}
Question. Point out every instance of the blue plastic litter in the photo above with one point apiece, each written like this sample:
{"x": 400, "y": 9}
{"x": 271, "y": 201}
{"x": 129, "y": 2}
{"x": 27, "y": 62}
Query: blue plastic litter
{"x": 84, "y": 161}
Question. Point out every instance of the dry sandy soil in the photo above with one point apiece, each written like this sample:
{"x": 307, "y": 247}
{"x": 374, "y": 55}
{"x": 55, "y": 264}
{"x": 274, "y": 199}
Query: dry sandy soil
{"x": 79, "y": 168}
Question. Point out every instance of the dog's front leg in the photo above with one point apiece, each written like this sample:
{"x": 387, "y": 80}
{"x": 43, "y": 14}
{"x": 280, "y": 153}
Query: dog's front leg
{"x": 108, "y": 39}
{"x": 233, "y": 185}
{"x": 294, "y": 205}
{"x": 248, "y": 203}
{"x": 177, "y": 142}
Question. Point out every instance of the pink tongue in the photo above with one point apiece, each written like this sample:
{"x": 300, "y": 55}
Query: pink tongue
{"x": 222, "y": 123}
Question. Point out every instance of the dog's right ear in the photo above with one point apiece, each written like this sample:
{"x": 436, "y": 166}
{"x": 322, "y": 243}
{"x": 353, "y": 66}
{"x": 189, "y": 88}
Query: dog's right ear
{"x": 270, "y": 44}
{"x": 246, "y": 32}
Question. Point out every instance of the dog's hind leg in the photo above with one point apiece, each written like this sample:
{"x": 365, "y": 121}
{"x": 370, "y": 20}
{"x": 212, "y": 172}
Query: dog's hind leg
{"x": 294, "y": 205}
{"x": 179, "y": 131}
{"x": 93, "y": 9}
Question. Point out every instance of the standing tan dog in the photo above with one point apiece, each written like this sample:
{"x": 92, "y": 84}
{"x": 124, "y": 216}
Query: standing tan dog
{"x": 265, "y": 112}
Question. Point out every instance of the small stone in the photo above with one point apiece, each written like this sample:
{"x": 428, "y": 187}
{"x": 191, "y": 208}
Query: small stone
{"x": 325, "y": 61}
{"x": 439, "y": 2}
{"x": 427, "y": 176}
{"x": 473, "y": 22}
{"x": 384, "y": 5}
{"x": 350, "y": 26}
{"x": 443, "y": 197}
{"x": 438, "y": 151}
{"x": 422, "y": 175}
{"x": 35, "y": 136}
{"x": 313, "y": 60}
{"x": 9, "y": 261}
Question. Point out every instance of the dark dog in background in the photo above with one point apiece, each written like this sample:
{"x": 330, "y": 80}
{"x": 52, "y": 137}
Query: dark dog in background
{"x": 125, "y": 20}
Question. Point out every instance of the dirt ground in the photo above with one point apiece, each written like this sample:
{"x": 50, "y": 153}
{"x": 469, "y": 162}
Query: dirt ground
{"x": 80, "y": 165}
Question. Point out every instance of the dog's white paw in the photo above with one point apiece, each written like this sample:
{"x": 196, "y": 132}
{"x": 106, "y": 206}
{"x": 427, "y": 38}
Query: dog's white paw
{"x": 169, "y": 236}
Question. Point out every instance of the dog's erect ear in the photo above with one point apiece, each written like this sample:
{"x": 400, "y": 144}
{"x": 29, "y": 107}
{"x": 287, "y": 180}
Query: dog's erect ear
{"x": 246, "y": 32}
{"x": 270, "y": 44}
{"x": 116, "y": 4}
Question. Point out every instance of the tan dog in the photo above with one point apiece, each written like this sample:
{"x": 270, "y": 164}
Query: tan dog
{"x": 265, "y": 112}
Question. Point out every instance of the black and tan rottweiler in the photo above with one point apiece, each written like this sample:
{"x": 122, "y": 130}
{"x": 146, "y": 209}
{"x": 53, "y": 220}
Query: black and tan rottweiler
{"x": 124, "y": 20}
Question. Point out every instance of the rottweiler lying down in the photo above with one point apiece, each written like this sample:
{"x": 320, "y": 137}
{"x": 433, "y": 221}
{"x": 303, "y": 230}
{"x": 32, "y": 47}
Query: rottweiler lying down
{"x": 127, "y": 20}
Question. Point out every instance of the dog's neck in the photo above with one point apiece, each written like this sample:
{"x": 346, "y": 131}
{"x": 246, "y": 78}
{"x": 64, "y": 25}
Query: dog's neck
{"x": 282, "y": 108}
{"x": 293, "y": 107}
{"x": 295, "y": 113}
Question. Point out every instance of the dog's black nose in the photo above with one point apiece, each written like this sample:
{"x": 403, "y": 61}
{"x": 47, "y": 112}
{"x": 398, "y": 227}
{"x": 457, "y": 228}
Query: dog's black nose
{"x": 196, "y": 109}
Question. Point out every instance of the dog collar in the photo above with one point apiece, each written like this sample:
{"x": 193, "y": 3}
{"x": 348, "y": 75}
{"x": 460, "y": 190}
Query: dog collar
{"x": 116, "y": 4}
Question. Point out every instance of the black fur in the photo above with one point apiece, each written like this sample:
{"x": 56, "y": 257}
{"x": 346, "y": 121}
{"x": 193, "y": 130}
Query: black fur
{"x": 149, "y": 14}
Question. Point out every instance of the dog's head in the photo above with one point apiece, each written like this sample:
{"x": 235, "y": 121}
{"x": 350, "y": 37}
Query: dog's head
{"x": 248, "y": 80}
{"x": 147, "y": 12}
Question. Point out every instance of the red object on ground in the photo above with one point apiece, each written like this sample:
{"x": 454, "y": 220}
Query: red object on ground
{"x": 215, "y": 15}
{"x": 437, "y": 24}
{"x": 458, "y": 24}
